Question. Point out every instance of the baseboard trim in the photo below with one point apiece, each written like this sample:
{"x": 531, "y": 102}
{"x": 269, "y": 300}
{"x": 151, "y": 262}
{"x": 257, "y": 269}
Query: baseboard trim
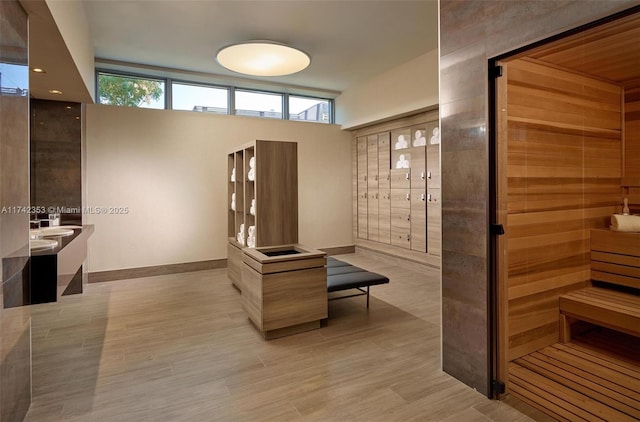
{"x": 100, "y": 276}
{"x": 339, "y": 250}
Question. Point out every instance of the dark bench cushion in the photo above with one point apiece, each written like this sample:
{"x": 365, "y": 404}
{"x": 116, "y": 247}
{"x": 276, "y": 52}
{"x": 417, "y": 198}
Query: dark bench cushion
{"x": 343, "y": 270}
{"x": 347, "y": 281}
{"x": 332, "y": 262}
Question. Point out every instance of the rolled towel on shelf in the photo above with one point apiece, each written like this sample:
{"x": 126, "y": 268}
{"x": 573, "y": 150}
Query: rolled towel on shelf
{"x": 625, "y": 223}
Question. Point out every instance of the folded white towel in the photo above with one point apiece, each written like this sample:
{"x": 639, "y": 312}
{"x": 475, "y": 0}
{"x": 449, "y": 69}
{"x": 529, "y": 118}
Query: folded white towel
{"x": 625, "y": 223}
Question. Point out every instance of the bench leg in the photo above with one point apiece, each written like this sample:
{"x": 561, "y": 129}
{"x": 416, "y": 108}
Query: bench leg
{"x": 367, "y": 297}
{"x": 565, "y": 329}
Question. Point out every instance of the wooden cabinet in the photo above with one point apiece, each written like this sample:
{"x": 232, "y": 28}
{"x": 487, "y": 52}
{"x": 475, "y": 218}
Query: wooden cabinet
{"x": 285, "y": 289}
{"x": 262, "y": 198}
{"x": 397, "y": 206}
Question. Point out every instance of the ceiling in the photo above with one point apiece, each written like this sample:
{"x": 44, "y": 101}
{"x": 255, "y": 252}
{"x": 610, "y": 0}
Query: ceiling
{"x": 610, "y": 51}
{"x": 348, "y": 41}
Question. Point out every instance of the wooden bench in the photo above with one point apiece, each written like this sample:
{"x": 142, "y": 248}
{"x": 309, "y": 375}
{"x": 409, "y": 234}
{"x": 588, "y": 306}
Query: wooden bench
{"x": 613, "y": 299}
{"x": 344, "y": 276}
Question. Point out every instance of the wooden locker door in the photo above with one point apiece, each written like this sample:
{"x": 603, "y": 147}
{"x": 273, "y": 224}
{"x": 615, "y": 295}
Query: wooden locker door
{"x": 384, "y": 185}
{"x": 372, "y": 187}
{"x": 418, "y": 220}
{"x": 384, "y": 216}
{"x": 433, "y": 157}
{"x": 401, "y": 218}
{"x": 400, "y": 178}
{"x": 418, "y": 168}
{"x": 384, "y": 161}
{"x": 434, "y": 222}
{"x": 362, "y": 188}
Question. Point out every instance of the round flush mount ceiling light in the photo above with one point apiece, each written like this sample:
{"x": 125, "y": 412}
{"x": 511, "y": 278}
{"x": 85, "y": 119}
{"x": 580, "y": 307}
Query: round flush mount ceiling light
{"x": 263, "y": 58}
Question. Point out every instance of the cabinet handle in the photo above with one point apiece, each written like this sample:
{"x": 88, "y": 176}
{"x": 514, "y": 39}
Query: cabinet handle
{"x": 429, "y": 197}
{"x": 409, "y": 217}
{"x": 376, "y": 177}
{"x": 422, "y": 197}
{"x": 365, "y": 178}
{"x": 407, "y": 176}
{"x": 388, "y": 176}
{"x": 422, "y": 175}
{"x": 408, "y": 197}
{"x": 428, "y": 175}
{"x": 408, "y": 238}
{"x": 376, "y": 196}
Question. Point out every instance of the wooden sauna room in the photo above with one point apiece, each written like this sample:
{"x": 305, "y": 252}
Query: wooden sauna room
{"x": 567, "y": 286}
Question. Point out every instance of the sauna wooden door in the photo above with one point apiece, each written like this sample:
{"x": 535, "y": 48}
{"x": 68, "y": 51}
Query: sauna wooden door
{"x": 557, "y": 155}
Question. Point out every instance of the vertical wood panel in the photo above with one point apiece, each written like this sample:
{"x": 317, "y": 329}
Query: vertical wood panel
{"x": 372, "y": 188}
{"x": 563, "y": 178}
{"x": 362, "y": 187}
{"x": 384, "y": 185}
{"x": 632, "y": 133}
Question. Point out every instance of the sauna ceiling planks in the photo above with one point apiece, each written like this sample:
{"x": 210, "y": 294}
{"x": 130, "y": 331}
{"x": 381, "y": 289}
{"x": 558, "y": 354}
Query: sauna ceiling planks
{"x": 610, "y": 51}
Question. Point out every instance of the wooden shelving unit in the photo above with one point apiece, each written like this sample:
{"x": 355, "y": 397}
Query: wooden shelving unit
{"x": 265, "y": 189}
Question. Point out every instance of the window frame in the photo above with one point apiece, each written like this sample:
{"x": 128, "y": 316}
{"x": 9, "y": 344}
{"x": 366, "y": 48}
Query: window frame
{"x": 329, "y": 108}
{"x": 229, "y": 90}
{"x": 259, "y": 91}
{"x": 231, "y": 94}
{"x": 133, "y": 76}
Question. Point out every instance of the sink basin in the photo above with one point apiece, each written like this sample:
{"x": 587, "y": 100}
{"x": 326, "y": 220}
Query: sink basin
{"x": 54, "y": 231}
{"x": 40, "y": 244}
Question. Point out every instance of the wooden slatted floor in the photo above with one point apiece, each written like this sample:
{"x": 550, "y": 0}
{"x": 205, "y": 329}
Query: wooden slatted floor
{"x": 596, "y": 377}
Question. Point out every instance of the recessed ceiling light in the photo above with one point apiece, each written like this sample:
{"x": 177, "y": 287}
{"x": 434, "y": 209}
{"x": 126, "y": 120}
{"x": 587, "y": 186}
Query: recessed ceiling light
{"x": 38, "y": 70}
{"x": 263, "y": 58}
{"x": 55, "y": 91}
{"x": 68, "y": 107}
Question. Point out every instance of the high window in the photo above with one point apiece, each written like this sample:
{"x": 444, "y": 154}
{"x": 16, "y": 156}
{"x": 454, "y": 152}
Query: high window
{"x": 309, "y": 109}
{"x": 131, "y": 91}
{"x": 150, "y": 92}
{"x": 185, "y": 96}
{"x": 261, "y": 104}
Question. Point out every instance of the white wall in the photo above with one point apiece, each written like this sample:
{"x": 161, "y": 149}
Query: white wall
{"x": 169, "y": 168}
{"x": 405, "y": 88}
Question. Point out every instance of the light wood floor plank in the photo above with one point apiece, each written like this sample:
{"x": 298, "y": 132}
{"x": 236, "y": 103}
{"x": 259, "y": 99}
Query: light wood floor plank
{"x": 179, "y": 347}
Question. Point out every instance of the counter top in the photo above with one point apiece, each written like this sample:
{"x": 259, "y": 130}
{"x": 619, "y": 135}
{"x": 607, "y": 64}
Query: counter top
{"x": 63, "y": 241}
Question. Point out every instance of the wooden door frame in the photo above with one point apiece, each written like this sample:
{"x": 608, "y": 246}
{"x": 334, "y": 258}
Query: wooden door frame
{"x": 498, "y": 263}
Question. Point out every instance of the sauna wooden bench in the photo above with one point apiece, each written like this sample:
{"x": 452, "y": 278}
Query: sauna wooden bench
{"x": 615, "y": 261}
{"x": 601, "y": 306}
{"x": 344, "y": 276}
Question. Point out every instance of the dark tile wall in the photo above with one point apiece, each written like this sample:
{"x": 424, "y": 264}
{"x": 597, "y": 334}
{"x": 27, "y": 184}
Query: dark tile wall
{"x": 15, "y": 317}
{"x": 56, "y": 156}
{"x": 471, "y": 33}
